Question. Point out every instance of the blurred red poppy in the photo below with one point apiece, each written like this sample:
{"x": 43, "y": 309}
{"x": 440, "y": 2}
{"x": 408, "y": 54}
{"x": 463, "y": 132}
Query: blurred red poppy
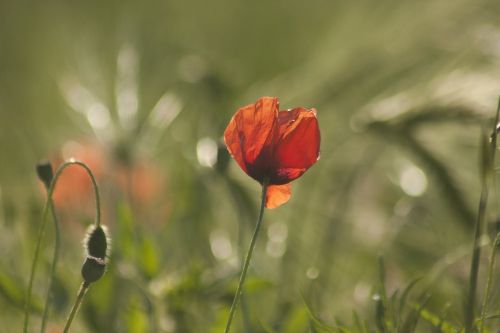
{"x": 143, "y": 183}
{"x": 275, "y": 145}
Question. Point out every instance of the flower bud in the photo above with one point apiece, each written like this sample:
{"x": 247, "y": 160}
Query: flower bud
{"x": 97, "y": 242}
{"x": 45, "y": 173}
{"x": 93, "y": 269}
{"x": 96, "y": 245}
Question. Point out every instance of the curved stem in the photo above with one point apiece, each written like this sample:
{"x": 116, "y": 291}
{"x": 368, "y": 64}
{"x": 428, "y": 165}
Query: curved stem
{"x": 247, "y": 258}
{"x": 489, "y": 282}
{"x": 79, "y": 298}
{"x": 41, "y": 232}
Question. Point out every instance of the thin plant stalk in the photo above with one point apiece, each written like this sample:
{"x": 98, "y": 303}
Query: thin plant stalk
{"x": 241, "y": 254}
{"x": 476, "y": 253}
{"x": 247, "y": 259}
{"x": 488, "y": 159}
{"x": 489, "y": 282}
{"x": 55, "y": 259}
{"x": 41, "y": 232}
{"x": 79, "y": 298}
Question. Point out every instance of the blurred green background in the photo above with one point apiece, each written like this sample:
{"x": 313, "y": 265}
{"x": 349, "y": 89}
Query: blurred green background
{"x": 142, "y": 91}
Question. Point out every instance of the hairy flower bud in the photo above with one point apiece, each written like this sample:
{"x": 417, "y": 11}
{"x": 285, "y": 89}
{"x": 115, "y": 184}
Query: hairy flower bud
{"x": 97, "y": 242}
{"x": 93, "y": 269}
{"x": 96, "y": 245}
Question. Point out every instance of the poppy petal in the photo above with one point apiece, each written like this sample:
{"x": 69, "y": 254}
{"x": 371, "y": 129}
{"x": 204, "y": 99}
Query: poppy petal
{"x": 297, "y": 147}
{"x": 250, "y": 134}
{"x": 277, "y": 195}
{"x": 233, "y": 142}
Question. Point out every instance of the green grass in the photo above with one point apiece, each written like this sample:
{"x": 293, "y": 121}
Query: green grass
{"x": 403, "y": 91}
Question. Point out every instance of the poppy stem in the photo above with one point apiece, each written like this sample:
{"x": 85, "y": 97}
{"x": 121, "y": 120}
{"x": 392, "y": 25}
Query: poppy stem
{"x": 83, "y": 289}
{"x": 55, "y": 259}
{"x": 41, "y": 232}
{"x": 248, "y": 257}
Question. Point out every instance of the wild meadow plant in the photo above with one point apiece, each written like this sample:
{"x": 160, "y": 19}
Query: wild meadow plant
{"x": 275, "y": 147}
{"x": 96, "y": 244}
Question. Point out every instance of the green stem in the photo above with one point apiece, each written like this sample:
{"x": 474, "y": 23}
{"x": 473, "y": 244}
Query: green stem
{"x": 247, "y": 259}
{"x": 476, "y": 252}
{"x": 489, "y": 282}
{"x": 55, "y": 259}
{"x": 79, "y": 298}
{"x": 488, "y": 159}
{"x": 41, "y": 232}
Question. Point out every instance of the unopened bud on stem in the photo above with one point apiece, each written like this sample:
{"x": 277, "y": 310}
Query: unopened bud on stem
{"x": 96, "y": 245}
{"x": 45, "y": 173}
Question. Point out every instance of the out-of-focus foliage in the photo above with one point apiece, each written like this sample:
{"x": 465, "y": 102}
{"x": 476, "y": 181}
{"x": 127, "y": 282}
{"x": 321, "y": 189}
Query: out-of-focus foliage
{"x": 142, "y": 91}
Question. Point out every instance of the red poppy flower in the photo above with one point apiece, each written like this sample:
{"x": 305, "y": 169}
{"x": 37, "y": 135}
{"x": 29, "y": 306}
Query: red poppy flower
{"x": 275, "y": 145}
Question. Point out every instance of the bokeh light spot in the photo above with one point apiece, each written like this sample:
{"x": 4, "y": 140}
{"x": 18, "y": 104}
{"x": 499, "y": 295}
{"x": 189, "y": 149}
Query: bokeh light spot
{"x": 206, "y": 151}
{"x": 413, "y": 181}
{"x": 220, "y": 245}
